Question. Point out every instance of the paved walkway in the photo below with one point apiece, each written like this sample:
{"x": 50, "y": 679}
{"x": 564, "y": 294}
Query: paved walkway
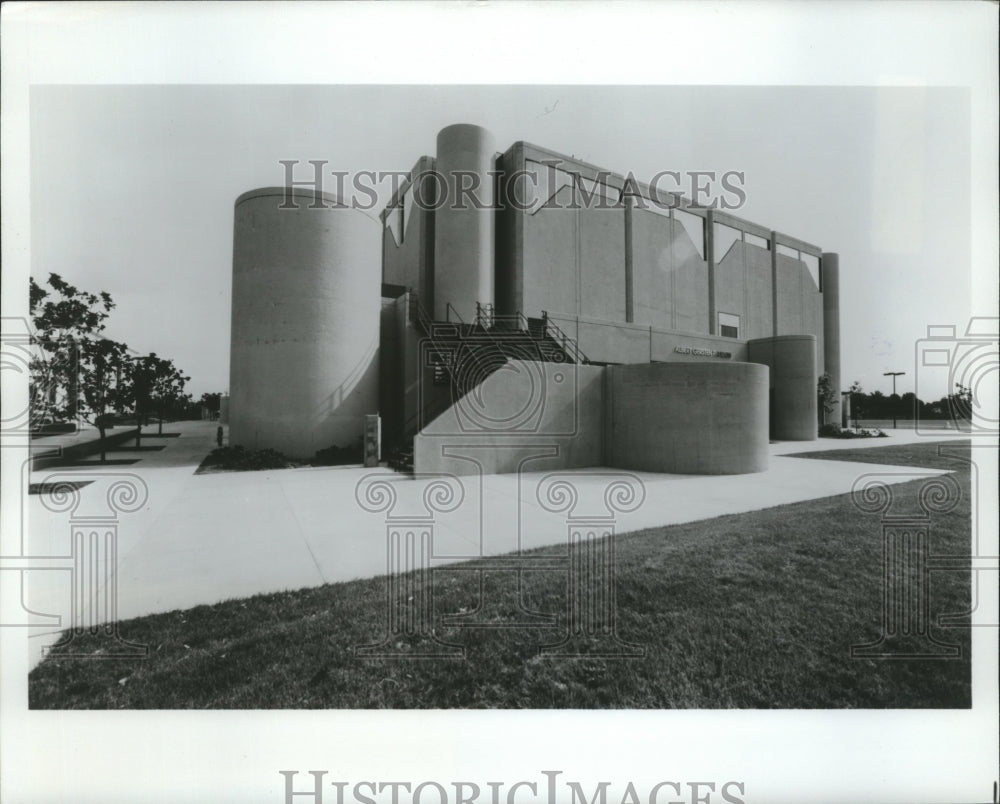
{"x": 200, "y": 539}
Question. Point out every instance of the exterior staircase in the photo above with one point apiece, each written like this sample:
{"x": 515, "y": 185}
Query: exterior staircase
{"x": 465, "y": 354}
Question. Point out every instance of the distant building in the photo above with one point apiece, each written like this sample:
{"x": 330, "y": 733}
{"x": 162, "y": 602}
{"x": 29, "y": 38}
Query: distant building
{"x": 531, "y": 312}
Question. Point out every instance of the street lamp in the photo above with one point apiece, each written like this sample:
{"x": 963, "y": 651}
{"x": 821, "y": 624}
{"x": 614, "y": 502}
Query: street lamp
{"x": 894, "y": 374}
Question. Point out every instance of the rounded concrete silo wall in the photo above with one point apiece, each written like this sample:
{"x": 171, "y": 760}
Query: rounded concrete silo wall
{"x": 792, "y": 360}
{"x": 687, "y": 418}
{"x": 305, "y": 323}
{"x": 464, "y": 223}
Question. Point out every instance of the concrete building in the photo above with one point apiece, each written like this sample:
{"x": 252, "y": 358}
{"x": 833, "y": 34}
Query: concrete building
{"x": 536, "y": 312}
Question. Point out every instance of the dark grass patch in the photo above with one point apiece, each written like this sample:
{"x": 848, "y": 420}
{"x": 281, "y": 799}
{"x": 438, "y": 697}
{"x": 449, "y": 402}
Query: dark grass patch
{"x": 63, "y": 428}
{"x": 109, "y": 462}
{"x": 950, "y": 455}
{"x": 240, "y": 459}
{"x": 140, "y": 448}
{"x": 48, "y": 488}
{"x": 756, "y": 610}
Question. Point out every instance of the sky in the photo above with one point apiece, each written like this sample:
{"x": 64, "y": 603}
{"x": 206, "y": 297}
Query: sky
{"x": 132, "y": 186}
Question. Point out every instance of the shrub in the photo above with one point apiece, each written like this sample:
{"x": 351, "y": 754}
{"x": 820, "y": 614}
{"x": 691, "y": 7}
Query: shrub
{"x": 338, "y": 456}
{"x": 400, "y": 458}
{"x": 240, "y": 459}
{"x": 833, "y": 431}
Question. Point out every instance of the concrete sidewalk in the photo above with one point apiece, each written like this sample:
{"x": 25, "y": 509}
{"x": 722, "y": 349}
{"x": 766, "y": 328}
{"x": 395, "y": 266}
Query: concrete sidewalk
{"x": 200, "y": 539}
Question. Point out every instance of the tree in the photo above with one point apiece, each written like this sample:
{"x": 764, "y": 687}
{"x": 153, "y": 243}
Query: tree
{"x": 103, "y": 366}
{"x": 66, "y": 321}
{"x": 827, "y": 394}
{"x": 211, "y": 402}
{"x": 960, "y": 405}
{"x": 858, "y": 400}
{"x": 138, "y": 389}
{"x": 166, "y": 386}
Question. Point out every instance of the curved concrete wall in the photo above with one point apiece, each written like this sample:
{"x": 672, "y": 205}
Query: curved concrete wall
{"x": 687, "y": 418}
{"x": 305, "y": 327}
{"x": 792, "y": 360}
{"x": 463, "y": 238}
{"x": 830, "y": 273}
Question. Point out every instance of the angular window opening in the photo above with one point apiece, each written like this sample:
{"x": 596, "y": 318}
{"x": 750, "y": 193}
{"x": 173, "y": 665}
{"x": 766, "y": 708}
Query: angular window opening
{"x": 725, "y": 236}
{"x": 393, "y": 222}
{"x": 756, "y": 240}
{"x": 788, "y": 251}
{"x": 694, "y": 225}
{"x": 812, "y": 263}
{"x": 595, "y": 190}
{"x": 539, "y": 189}
{"x": 405, "y": 210}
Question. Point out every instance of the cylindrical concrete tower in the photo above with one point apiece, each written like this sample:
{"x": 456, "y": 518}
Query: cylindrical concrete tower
{"x": 464, "y": 222}
{"x": 830, "y": 277}
{"x": 305, "y": 323}
{"x": 792, "y": 359}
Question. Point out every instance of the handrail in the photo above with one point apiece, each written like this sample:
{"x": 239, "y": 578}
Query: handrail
{"x": 485, "y": 313}
{"x": 563, "y": 339}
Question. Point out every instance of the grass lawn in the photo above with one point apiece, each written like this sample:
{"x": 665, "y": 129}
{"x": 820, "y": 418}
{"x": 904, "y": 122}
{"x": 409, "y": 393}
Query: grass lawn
{"x": 756, "y": 610}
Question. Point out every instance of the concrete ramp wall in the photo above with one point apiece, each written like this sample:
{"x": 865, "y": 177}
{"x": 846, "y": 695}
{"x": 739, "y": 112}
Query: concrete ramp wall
{"x": 527, "y": 416}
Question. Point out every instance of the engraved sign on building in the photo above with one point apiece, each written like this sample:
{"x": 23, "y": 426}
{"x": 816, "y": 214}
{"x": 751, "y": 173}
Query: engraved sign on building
{"x": 687, "y": 350}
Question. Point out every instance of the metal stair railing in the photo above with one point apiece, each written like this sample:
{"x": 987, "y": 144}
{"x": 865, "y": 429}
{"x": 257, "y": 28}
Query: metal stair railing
{"x": 488, "y": 323}
{"x": 569, "y": 346}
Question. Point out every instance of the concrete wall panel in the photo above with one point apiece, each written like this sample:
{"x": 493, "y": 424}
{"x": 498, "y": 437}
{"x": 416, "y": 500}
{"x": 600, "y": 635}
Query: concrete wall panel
{"x": 730, "y": 296}
{"x": 690, "y": 282}
{"x": 758, "y": 320}
{"x": 613, "y": 343}
{"x": 652, "y": 269}
{"x": 789, "y": 295}
{"x": 601, "y": 254}
{"x": 549, "y": 259}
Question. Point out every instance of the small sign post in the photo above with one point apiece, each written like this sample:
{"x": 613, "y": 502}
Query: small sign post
{"x": 373, "y": 439}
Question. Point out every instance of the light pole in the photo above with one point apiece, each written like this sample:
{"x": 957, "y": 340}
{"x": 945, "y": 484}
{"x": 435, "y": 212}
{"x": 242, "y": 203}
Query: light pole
{"x": 893, "y": 374}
